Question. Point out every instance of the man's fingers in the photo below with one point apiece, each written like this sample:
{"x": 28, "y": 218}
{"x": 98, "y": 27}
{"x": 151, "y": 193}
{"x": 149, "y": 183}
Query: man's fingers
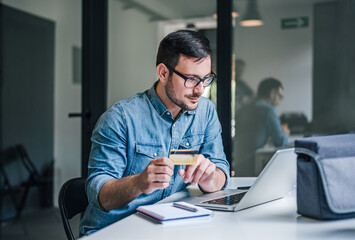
{"x": 202, "y": 171}
{"x": 160, "y": 185}
{"x": 205, "y": 172}
{"x": 163, "y": 170}
{"x": 190, "y": 169}
{"x": 158, "y": 166}
{"x": 156, "y": 181}
{"x": 163, "y": 162}
{"x": 157, "y": 175}
{"x": 199, "y": 172}
{"x": 209, "y": 173}
{"x": 160, "y": 178}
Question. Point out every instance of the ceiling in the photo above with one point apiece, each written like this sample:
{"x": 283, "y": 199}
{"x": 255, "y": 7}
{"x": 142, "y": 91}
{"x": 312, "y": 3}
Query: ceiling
{"x": 178, "y": 9}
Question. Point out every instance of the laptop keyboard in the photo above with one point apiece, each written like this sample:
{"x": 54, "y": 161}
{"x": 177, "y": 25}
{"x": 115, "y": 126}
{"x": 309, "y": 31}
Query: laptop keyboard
{"x": 227, "y": 200}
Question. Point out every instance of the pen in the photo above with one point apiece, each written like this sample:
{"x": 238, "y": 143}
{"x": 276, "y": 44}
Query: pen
{"x": 182, "y": 206}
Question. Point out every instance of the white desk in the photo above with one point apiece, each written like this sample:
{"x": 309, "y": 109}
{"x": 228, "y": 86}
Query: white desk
{"x": 273, "y": 220}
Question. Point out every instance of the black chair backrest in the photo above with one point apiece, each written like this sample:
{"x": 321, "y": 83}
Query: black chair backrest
{"x": 27, "y": 162}
{"x": 8, "y": 157}
{"x": 72, "y": 200}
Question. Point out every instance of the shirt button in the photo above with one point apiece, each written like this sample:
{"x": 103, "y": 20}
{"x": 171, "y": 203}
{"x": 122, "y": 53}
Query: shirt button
{"x": 187, "y": 144}
{"x": 155, "y": 154}
{"x": 174, "y": 125}
{"x": 168, "y": 113}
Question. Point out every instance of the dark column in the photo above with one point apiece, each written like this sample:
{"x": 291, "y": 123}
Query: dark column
{"x": 94, "y": 71}
{"x": 224, "y": 71}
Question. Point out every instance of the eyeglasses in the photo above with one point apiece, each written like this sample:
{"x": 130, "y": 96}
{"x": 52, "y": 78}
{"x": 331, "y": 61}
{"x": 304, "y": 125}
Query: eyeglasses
{"x": 191, "y": 82}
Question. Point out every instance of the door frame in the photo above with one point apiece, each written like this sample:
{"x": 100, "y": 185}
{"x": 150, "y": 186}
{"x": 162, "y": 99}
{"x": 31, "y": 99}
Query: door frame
{"x": 94, "y": 72}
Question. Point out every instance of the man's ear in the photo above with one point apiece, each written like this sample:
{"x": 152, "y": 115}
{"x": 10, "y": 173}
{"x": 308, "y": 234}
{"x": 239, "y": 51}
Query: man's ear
{"x": 163, "y": 72}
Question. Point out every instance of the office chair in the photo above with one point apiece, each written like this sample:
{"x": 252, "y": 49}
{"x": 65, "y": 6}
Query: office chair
{"x": 8, "y": 157}
{"x": 19, "y": 158}
{"x": 35, "y": 179}
{"x": 72, "y": 200}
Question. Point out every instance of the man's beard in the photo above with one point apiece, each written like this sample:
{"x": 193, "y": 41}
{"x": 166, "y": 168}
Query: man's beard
{"x": 171, "y": 95}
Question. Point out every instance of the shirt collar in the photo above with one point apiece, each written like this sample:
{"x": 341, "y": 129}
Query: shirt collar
{"x": 262, "y": 101}
{"x": 158, "y": 104}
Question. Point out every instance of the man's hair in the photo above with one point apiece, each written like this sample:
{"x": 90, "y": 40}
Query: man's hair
{"x": 267, "y": 85}
{"x": 189, "y": 43}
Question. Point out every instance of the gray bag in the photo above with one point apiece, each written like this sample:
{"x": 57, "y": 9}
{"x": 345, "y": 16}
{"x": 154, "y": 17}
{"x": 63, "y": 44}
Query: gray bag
{"x": 326, "y": 176}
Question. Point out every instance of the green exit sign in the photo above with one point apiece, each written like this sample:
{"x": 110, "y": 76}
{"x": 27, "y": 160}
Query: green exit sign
{"x": 296, "y": 22}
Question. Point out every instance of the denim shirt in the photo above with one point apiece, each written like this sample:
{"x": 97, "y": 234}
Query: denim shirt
{"x": 135, "y": 131}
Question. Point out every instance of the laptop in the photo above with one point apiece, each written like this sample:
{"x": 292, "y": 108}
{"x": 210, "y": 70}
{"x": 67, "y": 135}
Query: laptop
{"x": 274, "y": 182}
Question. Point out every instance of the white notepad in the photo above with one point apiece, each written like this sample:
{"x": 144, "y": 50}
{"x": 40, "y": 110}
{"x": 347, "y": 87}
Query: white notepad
{"x": 166, "y": 213}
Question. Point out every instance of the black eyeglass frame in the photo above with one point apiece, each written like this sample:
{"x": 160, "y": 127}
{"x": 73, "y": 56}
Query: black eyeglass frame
{"x": 196, "y": 80}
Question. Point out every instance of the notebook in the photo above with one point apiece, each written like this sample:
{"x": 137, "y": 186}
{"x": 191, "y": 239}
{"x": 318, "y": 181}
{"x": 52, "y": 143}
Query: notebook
{"x": 175, "y": 213}
{"x": 274, "y": 182}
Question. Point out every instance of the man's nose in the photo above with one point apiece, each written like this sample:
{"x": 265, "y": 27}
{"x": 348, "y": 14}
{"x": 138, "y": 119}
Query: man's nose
{"x": 199, "y": 88}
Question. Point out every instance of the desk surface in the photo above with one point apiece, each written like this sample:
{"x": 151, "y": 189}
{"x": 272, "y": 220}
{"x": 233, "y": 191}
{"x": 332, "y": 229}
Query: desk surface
{"x": 274, "y": 220}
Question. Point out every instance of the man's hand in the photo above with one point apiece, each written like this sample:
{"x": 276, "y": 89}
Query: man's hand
{"x": 285, "y": 129}
{"x": 116, "y": 193}
{"x": 157, "y": 175}
{"x": 205, "y": 174}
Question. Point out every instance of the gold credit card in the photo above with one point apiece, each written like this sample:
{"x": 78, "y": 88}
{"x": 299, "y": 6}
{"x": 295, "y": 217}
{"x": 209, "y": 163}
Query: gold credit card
{"x": 183, "y": 157}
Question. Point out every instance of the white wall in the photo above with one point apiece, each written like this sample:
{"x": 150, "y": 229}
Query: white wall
{"x": 131, "y": 52}
{"x": 67, "y": 96}
{"x": 286, "y": 55}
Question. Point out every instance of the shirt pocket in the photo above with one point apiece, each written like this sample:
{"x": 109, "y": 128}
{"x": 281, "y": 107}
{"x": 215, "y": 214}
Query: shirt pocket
{"x": 192, "y": 142}
{"x": 144, "y": 154}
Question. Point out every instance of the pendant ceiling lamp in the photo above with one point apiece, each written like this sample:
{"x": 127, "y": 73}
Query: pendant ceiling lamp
{"x": 252, "y": 17}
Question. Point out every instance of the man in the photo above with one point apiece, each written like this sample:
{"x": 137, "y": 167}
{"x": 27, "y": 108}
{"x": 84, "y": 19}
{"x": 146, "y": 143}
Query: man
{"x": 257, "y": 122}
{"x": 129, "y": 164}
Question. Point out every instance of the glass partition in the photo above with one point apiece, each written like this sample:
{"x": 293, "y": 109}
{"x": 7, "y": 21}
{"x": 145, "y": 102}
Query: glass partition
{"x": 302, "y": 52}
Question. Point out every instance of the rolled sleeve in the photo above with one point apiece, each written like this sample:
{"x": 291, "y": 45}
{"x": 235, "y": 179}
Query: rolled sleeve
{"x": 108, "y": 158}
{"x": 226, "y": 173}
{"x": 93, "y": 188}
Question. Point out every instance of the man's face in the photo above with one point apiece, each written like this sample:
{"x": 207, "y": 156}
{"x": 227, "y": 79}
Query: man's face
{"x": 276, "y": 96}
{"x": 187, "y": 98}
